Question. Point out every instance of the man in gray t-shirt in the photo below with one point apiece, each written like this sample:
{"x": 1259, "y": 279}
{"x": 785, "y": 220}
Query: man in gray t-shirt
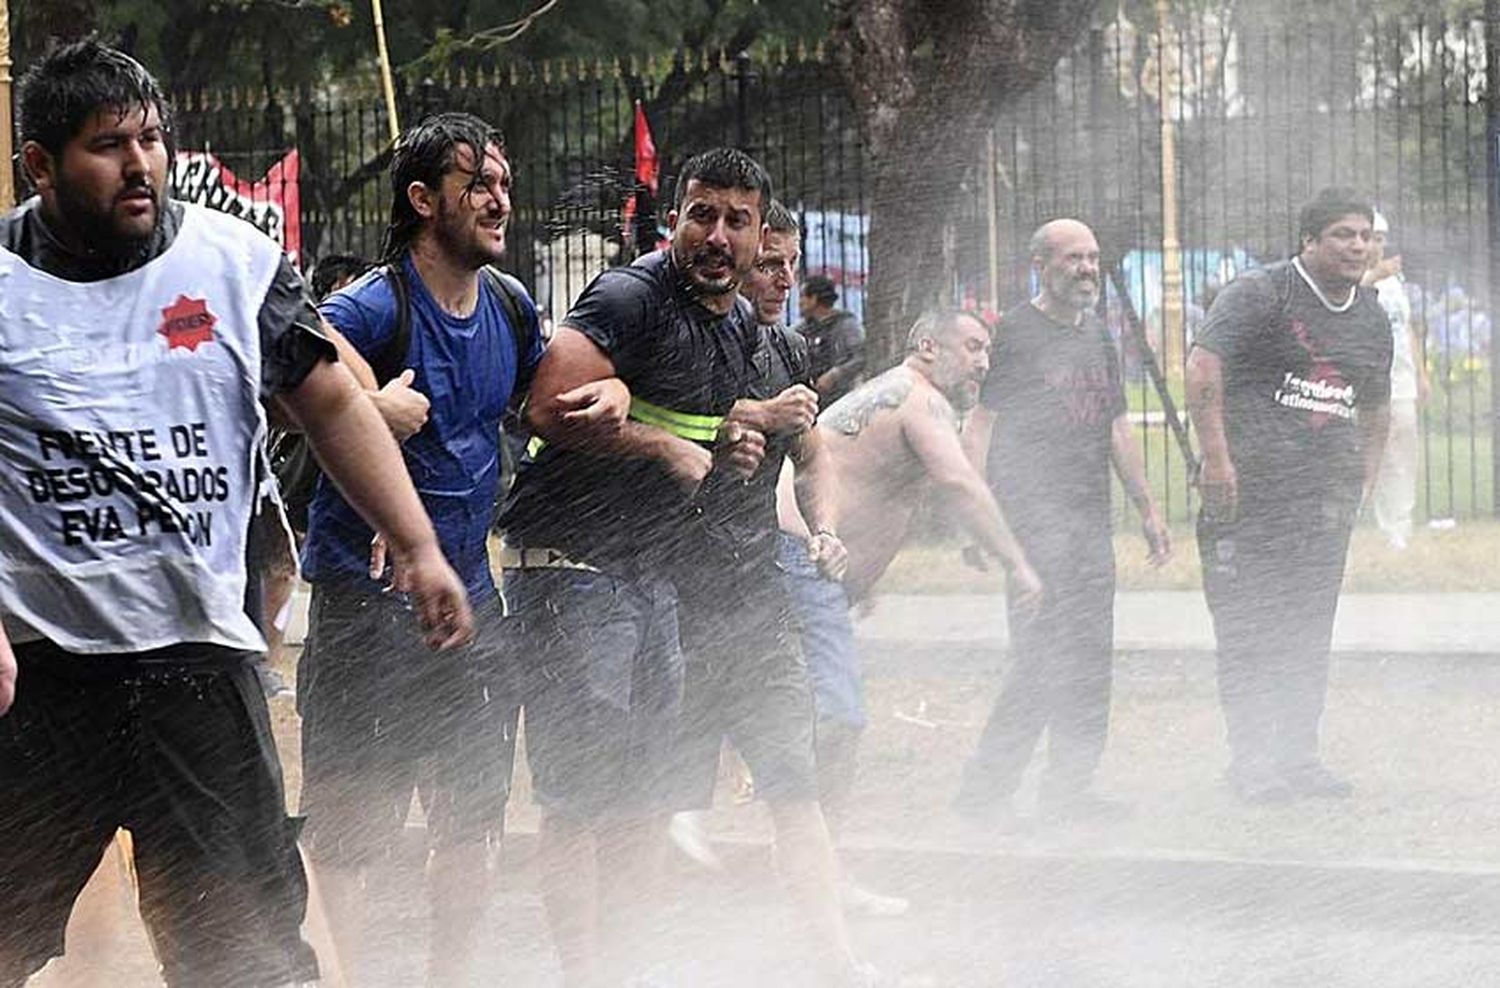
{"x": 1288, "y": 387}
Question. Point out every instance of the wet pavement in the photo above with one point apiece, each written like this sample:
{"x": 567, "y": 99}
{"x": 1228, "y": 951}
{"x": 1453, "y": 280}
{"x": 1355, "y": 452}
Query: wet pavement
{"x": 1396, "y": 887}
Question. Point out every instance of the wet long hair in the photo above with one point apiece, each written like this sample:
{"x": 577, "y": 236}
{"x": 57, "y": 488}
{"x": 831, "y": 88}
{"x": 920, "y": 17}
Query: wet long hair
{"x": 425, "y": 153}
{"x": 72, "y": 82}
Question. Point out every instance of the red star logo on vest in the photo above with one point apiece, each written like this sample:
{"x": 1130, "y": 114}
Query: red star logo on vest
{"x": 187, "y": 323}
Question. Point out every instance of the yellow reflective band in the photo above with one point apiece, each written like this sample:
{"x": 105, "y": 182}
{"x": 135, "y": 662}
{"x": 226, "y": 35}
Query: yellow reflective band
{"x": 535, "y": 446}
{"x": 699, "y": 428}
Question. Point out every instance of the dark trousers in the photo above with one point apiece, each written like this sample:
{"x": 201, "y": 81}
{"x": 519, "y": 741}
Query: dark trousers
{"x": 1059, "y": 679}
{"x": 1272, "y": 580}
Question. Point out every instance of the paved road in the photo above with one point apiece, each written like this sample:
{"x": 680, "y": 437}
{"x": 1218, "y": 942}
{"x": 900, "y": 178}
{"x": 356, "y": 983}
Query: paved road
{"x": 1396, "y": 888}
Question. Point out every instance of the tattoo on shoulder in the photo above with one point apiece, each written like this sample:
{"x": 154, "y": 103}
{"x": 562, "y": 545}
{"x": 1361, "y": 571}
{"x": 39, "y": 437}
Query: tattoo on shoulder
{"x": 852, "y": 413}
{"x": 942, "y": 411}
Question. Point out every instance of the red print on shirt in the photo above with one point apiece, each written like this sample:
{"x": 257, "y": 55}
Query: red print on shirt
{"x": 1083, "y": 391}
{"x": 1320, "y": 369}
{"x": 187, "y": 322}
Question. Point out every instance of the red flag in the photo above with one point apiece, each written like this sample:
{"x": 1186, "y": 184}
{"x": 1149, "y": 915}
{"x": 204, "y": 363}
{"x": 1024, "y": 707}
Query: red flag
{"x": 646, "y": 163}
{"x": 647, "y": 167}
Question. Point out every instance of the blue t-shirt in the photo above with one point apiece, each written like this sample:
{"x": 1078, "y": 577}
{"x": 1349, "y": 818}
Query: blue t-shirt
{"x": 467, "y": 368}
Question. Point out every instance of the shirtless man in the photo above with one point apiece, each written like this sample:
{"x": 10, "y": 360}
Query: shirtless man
{"x": 891, "y": 440}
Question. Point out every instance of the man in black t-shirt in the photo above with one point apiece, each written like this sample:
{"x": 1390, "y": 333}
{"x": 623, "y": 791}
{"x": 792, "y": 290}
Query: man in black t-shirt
{"x": 1051, "y": 421}
{"x": 1288, "y": 385}
{"x": 835, "y": 339}
{"x": 600, "y": 527}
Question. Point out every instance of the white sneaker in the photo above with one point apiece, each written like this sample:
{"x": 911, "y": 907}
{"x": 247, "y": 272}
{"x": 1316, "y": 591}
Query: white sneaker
{"x": 862, "y": 902}
{"x": 689, "y": 831}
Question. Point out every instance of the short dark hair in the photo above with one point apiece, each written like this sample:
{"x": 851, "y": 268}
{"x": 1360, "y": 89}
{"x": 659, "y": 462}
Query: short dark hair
{"x": 780, "y": 219}
{"x": 1327, "y": 207}
{"x": 821, "y": 288}
{"x": 724, "y": 168}
{"x": 72, "y": 82}
{"x": 333, "y": 269}
{"x": 425, "y": 153}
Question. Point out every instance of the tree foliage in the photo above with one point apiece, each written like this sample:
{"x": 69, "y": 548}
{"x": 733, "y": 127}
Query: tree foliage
{"x": 192, "y": 44}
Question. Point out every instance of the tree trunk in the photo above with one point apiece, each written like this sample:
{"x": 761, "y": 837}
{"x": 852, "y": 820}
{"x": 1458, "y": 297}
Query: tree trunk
{"x": 928, "y": 79}
{"x": 917, "y": 186}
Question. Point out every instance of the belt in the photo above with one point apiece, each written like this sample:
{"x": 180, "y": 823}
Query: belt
{"x": 517, "y": 558}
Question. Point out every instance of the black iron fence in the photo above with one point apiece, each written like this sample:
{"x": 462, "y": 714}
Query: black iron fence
{"x": 1260, "y": 111}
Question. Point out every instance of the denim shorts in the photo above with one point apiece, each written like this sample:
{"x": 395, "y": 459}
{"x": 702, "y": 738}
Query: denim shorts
{"x": 602, "y": 681}
{"x": 747, "y": 682}
{"x": 820, "y": 614}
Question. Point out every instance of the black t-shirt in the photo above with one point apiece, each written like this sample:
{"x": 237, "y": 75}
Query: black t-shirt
{"x": 677, "y": 358}
{"x": 1055, "y": 391}
{"x": 838, "y": 340}
{"x": 1295, "y": 375}
{"x": 291, "y": 341}
{"x": 740, "y": 516}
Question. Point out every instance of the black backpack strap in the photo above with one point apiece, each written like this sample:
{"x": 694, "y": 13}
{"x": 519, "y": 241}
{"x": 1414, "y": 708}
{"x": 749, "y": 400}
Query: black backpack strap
{"x": 523, "y": 328}
{"x": 391, "y": 360}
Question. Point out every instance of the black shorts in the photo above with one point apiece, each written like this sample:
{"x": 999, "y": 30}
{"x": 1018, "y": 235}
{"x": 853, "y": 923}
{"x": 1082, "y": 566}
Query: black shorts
{"x": 603, "y": 689}
{"x": 383, "y": 714}
{"x": 747, "y": 681}
{"x": 181, "y": 755}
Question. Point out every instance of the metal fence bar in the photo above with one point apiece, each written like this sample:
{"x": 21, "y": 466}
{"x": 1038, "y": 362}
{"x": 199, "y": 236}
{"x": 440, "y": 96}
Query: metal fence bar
{"x": 1270, "y": 109}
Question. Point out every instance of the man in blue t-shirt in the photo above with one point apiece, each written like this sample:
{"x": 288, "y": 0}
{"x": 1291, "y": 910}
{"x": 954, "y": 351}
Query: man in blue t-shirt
{"x": 379, "y": 719}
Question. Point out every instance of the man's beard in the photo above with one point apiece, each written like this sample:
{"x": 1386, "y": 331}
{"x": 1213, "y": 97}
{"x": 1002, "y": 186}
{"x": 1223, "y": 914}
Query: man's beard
{"x": 1085, "y": 294}
{"x": 459, "y": 243}
{"x": 715, "y": 288}
{"x": 964, "y": 397}
{"x": 98, "y": 232}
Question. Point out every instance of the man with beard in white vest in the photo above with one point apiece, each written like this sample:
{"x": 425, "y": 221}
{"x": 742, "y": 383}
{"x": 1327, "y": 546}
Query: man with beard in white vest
{"x": 139, "y": 338}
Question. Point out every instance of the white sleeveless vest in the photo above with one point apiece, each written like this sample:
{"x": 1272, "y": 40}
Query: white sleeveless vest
{"x": 130, "y": 424}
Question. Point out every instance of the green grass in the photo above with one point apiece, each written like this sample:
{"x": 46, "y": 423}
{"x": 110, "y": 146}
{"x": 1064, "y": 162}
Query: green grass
{"x": 1455, "y": 476}
{"x": 1455, "y": 479}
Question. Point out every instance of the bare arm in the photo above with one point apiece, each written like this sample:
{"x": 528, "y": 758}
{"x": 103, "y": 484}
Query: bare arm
{"x": 355, "y": 449}
{"x": 363, "y": 373}
{"x": 816, "y": 485}
{"x": 7, "y": 673}
{"x": 816, "y": 482}
{"x": 1205, "y": 402}
{"x": 1126, "y": 456}
{"x": 931, "y": 431}
{"x": 403, "y": 408}
{"x": 1374, "y": 423}
{"x": 571, "y": 365}
{"x": 791, "y": 412}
